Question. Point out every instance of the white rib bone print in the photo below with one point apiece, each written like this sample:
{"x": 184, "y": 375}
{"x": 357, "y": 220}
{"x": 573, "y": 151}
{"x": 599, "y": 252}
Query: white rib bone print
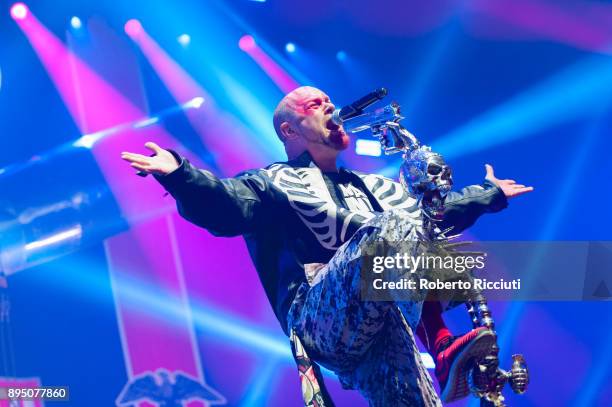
{"x": 308, "y": 195}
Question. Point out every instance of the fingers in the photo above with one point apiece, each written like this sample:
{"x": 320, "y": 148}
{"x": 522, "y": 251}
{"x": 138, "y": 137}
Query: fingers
{"x": 148, "y": 164}
{"x": 521, "y": 191}
{"x": 135, "y": 158}
{"x": 490, "y": 174}
{"x": 153, "y": 147}
{"x": 517, "y": 186}
{"x": 524, "y": 188}
{"x": 141, "y": 167}
{"x": 510, "y": 183}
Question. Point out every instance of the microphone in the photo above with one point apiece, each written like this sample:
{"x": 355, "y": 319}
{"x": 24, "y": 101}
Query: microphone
{"x": 356, "y": 108}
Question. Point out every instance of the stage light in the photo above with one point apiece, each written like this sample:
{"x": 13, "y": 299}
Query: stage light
{"x": 145, "y": 122}
{"x": 246, "y": 43}
{"x": 86, "y": 141}
{"x": 19, "y": 11}
{"x": 290, "y": 47}
{"x": 341, "y": 56}
{"x": 72, "y": 233}
{"x": 184, "y": 39}
{"x": 133, "y": 28}
{"x": 266, "y": 61}
{"x": 368, "y": 147}
{"x": 194, "y": 103}
{"x": 75, "y": 22}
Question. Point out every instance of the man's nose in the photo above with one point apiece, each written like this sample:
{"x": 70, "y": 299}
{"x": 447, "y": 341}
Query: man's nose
{"x": 330, "y": 107}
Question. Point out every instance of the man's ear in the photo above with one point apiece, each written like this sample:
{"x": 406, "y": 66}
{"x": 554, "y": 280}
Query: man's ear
{"x": 287, "y": 132}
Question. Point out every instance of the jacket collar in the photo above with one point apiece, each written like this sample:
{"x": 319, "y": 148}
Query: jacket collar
{"x": 305, "y": 160}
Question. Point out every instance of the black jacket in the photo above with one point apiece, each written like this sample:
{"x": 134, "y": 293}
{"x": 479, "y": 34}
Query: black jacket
{"x": 289, "y": 218}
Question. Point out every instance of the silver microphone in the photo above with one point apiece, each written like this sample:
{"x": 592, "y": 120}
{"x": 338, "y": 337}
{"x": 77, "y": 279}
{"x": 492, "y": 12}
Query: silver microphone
{"x": 373, "y": 119}
{"x": 356, "y": 108}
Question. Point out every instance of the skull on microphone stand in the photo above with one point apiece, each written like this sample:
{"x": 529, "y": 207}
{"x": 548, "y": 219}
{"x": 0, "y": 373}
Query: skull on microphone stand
{"x": 428, "y": 178}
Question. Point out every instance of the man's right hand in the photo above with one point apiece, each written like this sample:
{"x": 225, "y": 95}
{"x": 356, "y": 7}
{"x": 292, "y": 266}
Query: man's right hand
{"x": 162, "y": 163}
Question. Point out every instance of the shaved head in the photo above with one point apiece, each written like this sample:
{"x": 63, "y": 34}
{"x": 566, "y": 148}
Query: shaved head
{"x": 302, "y": 121}
{"x": 290, "y": 107}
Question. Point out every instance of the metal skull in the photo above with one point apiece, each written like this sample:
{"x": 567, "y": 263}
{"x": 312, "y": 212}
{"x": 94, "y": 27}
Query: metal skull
{"x": 424, "y": 171}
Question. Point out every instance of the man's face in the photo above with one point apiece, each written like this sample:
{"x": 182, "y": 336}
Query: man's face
{"x": 313, "y": 111}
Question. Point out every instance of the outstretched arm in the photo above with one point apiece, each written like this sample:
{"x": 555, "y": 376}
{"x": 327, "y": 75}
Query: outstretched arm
{"x": 465, "y": 207}
{"x": 508, "y": 186}
{"x": 225, "y": 207}
{"x": 161, "y": 163}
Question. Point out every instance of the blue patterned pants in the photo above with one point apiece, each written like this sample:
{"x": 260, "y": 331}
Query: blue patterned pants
{"x": 370, "y": 345}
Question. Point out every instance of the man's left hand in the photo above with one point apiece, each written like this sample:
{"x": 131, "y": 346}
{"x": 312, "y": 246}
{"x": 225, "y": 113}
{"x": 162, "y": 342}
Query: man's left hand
{"x": 508, "y": 186}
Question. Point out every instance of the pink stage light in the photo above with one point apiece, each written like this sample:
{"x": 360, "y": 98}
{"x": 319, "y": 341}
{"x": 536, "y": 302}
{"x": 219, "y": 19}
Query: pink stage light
{"x": 281, "y": 78}
{"x": 236, "y": 148}
{"x": 19, "y": 11}
{"x": 133, "y": 28}
{"x": 246, "y": 43}
{"x": 95, "y": 105}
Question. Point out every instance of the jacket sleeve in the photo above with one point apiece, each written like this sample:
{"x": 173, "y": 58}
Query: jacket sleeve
{"x": 225, "y": 207}
{"x": 465, "y": 207}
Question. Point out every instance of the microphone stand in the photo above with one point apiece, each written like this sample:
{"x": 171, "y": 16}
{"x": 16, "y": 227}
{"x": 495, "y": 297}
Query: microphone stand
{"x": 486, "y": 379}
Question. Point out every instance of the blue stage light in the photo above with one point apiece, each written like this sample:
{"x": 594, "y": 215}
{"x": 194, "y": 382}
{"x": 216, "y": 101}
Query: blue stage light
{"x": 576, "y": 91}
{"x": 341, "y": 56}
{"x": 76, "y": 23}
{"x": 290, "y": 47}
{"x": 145, "y": 122}
{"x": 184, "y": 39}
{"x": 68, "y": 234}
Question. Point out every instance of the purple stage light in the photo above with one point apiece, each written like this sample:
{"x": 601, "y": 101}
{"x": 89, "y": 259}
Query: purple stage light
{"x": 19, "y": 11}
{"x": 571, "y": 25}
{"x": 133, "y": 28}
{"x": 246, "y": 43}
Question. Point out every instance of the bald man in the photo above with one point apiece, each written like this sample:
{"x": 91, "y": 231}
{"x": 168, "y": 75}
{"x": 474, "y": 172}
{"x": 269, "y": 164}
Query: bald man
{"x": 305, "y": 222}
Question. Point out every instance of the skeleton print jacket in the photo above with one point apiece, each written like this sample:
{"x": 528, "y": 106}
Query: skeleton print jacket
{"x": 291, "y": 214}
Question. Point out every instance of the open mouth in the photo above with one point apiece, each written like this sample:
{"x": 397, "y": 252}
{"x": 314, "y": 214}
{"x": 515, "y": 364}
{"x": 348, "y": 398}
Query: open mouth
{"x": 333, "y": 127}
{"x": 330, "y": 125}
{"x": 337, "y": 135}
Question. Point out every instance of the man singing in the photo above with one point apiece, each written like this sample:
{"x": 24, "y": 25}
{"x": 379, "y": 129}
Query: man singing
{"x": 304, "y": 222}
